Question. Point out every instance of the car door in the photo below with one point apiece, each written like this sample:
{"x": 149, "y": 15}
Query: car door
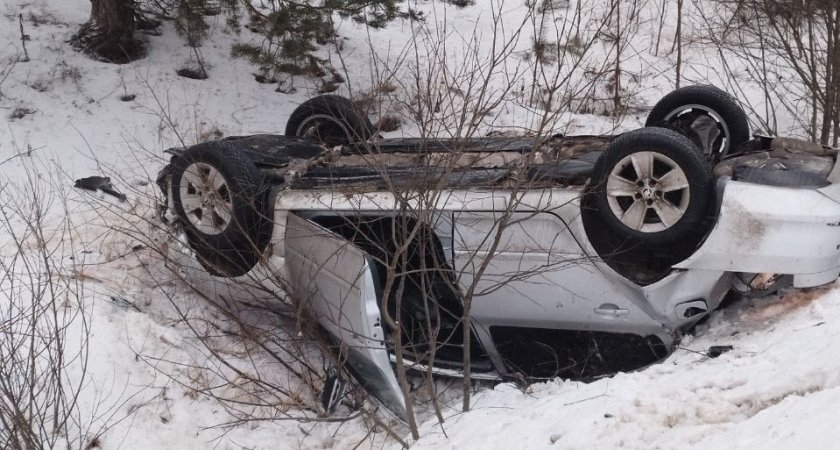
{"x": 337, "y": 281}
{"x": 539, "y": 275}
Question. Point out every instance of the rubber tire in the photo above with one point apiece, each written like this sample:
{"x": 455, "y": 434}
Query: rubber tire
{"x": 341, "y": 108}
{"x": 711, "y": 97}
{"x": 693, "y": 225}
{"x": 238, "y": 248}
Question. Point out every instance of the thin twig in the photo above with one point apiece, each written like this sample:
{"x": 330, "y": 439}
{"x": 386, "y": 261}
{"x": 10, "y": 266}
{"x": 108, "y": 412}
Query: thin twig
{"x": 6, "y": 75}
{"x": 23, "y": 38}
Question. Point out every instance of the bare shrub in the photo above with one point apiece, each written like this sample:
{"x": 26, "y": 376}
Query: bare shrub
{"x": 792, "y": 52}
{"x": 254, "y": 350}
{"x": 44, "y": 325}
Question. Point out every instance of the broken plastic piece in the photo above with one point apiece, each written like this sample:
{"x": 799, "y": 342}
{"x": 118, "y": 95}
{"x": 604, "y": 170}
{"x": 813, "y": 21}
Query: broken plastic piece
{"x": 334, "y": 387}
{"x": 99, "y": 183}
{"x": 717, "y": 350}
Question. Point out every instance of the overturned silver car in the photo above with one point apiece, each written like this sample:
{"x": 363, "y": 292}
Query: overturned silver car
{"x": 571, "y": 256}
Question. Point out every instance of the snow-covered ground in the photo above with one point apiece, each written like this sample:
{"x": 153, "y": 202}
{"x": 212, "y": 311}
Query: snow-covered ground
{"x": 775, "y": 389}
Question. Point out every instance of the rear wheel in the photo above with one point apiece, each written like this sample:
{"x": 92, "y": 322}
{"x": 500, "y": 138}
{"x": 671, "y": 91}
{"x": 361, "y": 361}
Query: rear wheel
{"x": 330, "y": 120}
{"x": 708, "y": 116}
{"x": 647, "y": 205}
{"x": 652, "y": 186}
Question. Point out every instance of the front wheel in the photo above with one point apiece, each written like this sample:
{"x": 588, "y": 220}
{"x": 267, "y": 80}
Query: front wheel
{"x": 220, "y": 198}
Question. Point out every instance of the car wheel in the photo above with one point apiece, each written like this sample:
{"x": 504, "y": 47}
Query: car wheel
{"x": 710, "y": 117}
{"x": 219, "y": 196}
{"x": 330, "y": 120}
{"x": 651, "y": 187}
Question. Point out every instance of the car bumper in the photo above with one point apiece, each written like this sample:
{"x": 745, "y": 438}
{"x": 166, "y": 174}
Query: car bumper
{"x": 774, "y": 229}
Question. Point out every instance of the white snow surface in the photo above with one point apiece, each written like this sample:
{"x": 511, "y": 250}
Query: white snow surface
{"x": 778, "y": 387}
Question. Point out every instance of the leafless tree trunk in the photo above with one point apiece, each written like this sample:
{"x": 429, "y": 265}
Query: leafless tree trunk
{"x": 678, "y": 42}
{"x": 109, "y": 34}
{"x": 618, "y": 46}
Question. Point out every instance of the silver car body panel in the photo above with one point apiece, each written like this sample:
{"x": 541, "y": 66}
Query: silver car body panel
{"x": 545, "y": 274}
{"x": 558, "y": 268}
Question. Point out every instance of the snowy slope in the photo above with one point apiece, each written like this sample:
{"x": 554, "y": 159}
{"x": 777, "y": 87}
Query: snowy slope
{"x": 775, "y": 389}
